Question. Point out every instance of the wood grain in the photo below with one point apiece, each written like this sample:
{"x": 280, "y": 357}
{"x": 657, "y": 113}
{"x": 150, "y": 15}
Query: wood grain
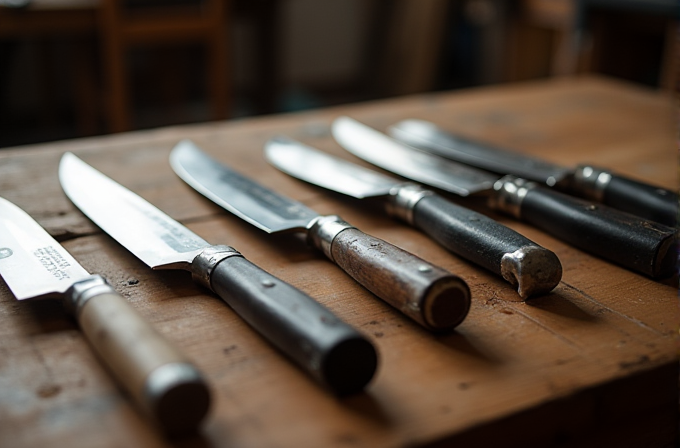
{"x": 594, "y": 363}
{"x": 426, "y": 293}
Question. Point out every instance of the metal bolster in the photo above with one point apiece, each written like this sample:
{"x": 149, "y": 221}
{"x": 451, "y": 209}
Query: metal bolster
{"x": 510, "y": 191}
{"x": 167, "y": 377}
{"x": 323, "y": 231}
{"x": 81, "y": 291}
{"x": 204, "y": 264}
{"x": 590, "y": 182}
{"x": 403, "y": 199}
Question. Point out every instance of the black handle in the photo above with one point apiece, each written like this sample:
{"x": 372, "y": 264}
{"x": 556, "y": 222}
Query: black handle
{"x": 647, "y": 201}
{"x": 622, "y": 193}
{"x": 478, "y": 238}
{"x": 622, "y": 238}
{"x": 332, "y": 352}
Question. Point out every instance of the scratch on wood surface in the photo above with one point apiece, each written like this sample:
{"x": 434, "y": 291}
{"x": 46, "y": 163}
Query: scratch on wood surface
{"x": 613, "y": 311}
{"x": 548, "y": 329}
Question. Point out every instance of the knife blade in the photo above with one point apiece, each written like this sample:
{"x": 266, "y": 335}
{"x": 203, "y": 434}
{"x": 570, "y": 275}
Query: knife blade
{"x": 428, "y": 294}
{"x": 632, "y": 242}
{"x": 532, "y": 269}
{"x": 163, "y": 383}
{"x": 587, "y": 181}
{"x": 333, "y": 353}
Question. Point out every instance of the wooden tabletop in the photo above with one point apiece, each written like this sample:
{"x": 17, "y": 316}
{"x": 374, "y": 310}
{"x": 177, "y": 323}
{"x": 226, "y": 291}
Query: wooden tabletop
{"x": 595, "y": 363}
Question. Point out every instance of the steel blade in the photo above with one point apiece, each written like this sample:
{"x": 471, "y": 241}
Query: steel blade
{"x": 428, "y": 137}
{"x": 385, "y": 152}
{"x": 252, "y": 202}
{"x": 32, "y": 263}
{"x": 333, "y": 173}
{"x": 154, "y": 237}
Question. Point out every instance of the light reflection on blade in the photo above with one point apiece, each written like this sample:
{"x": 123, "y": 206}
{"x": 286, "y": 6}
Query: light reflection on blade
{"x": 316, "y": 167}
{"x": 385, "y": 152}
{"x": 248, "y": 200}
{"x": 32, "y": 263}
{"x": 154, "y": 237}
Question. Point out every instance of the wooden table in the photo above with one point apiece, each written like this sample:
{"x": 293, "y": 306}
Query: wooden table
{"x": 595, "y": 363}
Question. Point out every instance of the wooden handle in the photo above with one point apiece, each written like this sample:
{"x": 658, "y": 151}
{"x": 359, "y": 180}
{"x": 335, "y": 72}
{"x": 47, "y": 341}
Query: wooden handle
{"x": 428, "y": 294}
{"x": 163, "y": 383}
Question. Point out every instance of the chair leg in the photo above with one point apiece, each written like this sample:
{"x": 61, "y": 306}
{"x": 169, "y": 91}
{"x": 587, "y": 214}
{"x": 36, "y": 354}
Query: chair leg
{"x": 115, "y": 70}
{"x": 219, "y": 81}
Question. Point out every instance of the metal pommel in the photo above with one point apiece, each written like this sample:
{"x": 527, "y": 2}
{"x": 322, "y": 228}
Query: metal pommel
{"x": 403, "y": 198}
{"x": 510, "y": 192}
{"x": 203, "y": 265}
{"x": 82, "y": 291}
{"x": 533, "y": 269}
{"x": 590, "y": 182}
{"x": 177, "y": 395}
{"x": 323, "y": 231}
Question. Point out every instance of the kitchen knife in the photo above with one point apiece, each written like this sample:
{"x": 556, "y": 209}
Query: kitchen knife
{"x": 628, "y": 240}
{"x": 162, "y": 382}
{"x": 590, "y": 182}
{"x": 430, "y": 295}
{"x": 531, "y": 268}
{"x": 329, "y": 350}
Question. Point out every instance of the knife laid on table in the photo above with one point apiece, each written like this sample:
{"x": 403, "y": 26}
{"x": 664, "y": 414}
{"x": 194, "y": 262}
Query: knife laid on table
{"x": 332, "y": 352}
{"x": 587, "y": 181}
{"x": 533, "y": 269}
{"x": 159, "y": 378}
{"x": 632, "y": 242}
{"x": 428, "y": 294}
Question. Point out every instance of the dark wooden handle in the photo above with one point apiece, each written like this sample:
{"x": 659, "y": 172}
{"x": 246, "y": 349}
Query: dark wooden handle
{"x": 332, "y": 352}
{"x": 533, "y": 269}
{"x": 430, "y": 295}
{"x": 647, "y": 201}
{"x": 622, "y": 193}
{"x": 625, "y": 239}
{"x": 158, "y": 377}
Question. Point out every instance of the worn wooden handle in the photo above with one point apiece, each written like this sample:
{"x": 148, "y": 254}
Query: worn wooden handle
{"x": 622, "y": 193}
{"x": 164, "y": 384}
{"x": 428, "y": 294}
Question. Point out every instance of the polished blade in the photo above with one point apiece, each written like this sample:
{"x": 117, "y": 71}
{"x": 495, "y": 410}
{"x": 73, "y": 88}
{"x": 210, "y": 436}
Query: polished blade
{"x": 385, "y": 152}
{"x": 333, "y": 173}
{"x": 154, "y": 237}
{"x": 246, "y": 199}
{"x": 32, "y": 263}
{"x": 428, "y": 137}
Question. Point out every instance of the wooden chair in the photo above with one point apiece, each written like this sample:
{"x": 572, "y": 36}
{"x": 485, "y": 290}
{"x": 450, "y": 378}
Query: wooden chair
{"x": 73, "y": 21}
{"x": 125, "y": 25}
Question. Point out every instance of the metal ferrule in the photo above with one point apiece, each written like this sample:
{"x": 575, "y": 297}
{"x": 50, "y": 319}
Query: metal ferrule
{"x": 166, "y": 378}
{"x": 323, "y": 231}
{"x": 403, "y": 199}
{"x": 204, "y": 264}
{"x": 510, "y": 191}
{"x": 80, "y": 292}
{"x": 590, "y": 182}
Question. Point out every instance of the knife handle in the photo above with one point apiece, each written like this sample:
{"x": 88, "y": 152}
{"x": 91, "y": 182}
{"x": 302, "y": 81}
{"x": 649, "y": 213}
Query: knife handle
{"x": 630, "y": 241}
{"x": 638, "y": 198}
{"x": 160, "y": 379}
{"x": 332, "y": 352}
{"x": 533, "y": 269}
{"x": 428, "y": 294}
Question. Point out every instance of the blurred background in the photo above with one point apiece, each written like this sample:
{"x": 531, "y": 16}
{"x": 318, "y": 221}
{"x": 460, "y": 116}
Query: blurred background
{"x": 75, "y": 68}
